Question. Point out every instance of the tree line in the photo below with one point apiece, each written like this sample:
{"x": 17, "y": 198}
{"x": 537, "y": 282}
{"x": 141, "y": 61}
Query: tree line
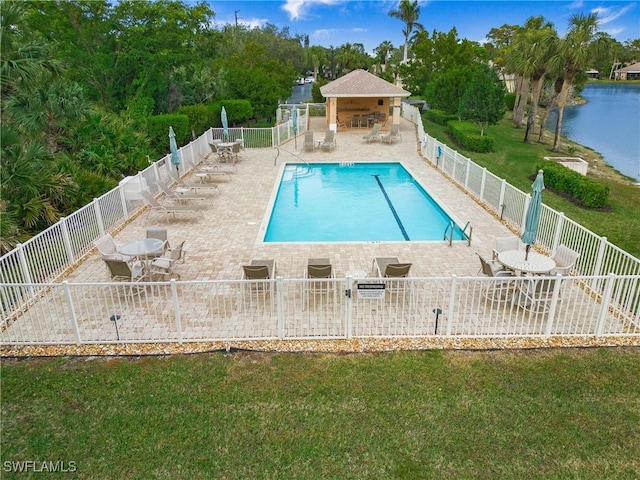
{"x": 80, "y": 79}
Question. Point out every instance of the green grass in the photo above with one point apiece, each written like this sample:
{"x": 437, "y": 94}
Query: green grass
{"x": 537, "y": 415}
{"x": 515, "y": 161}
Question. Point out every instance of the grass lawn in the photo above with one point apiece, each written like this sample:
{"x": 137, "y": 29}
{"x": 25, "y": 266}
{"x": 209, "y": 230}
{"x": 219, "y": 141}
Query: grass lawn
{"x": 553, "y": 414}
{"x": 515, "y": 161}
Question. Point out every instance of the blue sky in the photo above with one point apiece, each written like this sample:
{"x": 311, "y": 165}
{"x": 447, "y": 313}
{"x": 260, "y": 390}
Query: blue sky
{"x": 335, "y": 22}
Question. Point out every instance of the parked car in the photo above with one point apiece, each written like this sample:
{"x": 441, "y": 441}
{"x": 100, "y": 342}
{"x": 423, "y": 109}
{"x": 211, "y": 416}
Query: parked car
{"x": 308, "y": 80}
{"x": 301, "y": 81}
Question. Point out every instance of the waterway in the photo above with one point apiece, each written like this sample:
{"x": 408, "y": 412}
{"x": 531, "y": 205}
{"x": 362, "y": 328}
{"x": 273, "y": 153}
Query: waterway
{"x": 609, "y": 123}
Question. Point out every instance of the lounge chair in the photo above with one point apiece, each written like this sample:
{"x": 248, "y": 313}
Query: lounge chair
{"x": 374, "y": 134}
{"x": 210, "y": 187}
{"x": 309, "y": 143}
{"x": 260, "y": 270}
{"x": 109, "y": 249}
{"x": 394, "y": 134}
{"x": 258, "y": 289}
{"x": 316, "y": 270}
{"x": 163, "y": 265}
{"x": 181, "y": 197}
{"x": 565, "y": 259}
{"x": 501, "y": 289}
{"x": 329, "y": 142}
{"x": 391, "y": 268}
{"x": 503, "y": 244}
{"x": 168, "y": 209}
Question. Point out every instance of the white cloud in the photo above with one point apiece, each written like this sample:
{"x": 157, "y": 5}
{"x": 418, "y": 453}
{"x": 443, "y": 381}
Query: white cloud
{"x": 607, "y": 15}
{"x": 298, "y": 9}
{"x": 253, "y": 22}
{"x": 577, "y": 5}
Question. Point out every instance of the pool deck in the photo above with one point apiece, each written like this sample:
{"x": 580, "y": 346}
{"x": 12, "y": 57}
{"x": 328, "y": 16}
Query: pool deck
{"x": 228, "y": 233}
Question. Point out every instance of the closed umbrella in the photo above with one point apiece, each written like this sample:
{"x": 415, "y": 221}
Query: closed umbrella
{"x": 225, "y": 123}
{"x": 533, "y": 213}
{"x": 173, "y": 146}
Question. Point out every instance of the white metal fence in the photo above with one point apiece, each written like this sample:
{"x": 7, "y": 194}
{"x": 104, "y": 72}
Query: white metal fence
{"x": 35, "y": 309}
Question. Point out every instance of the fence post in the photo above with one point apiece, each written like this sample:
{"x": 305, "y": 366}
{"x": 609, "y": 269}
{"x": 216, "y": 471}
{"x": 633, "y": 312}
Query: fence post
{"x": 23, "y": 264}
{"x": 527, "y": 201}
{"x": 452, "y": 297}
{"x": 466, "y": 175}
{"x": 484, "y": 178}
{"x": 597, "y": 268}
{"x": 123, "y": 201}
{"x": 72, "y": 312}
{"x": 556, "y": 237}
{"x": 606, "y": 300}
{"x": 453, "y": 168}
{"x": 66, "y": 239}
{"x": 348, "y": 306}
{"x": 503, "y": 186}
{"x": 96, "y": 208}
{"x": 176, "y": 308}
{"x": 554, "y": 303}
{"x": 280, "y": 305}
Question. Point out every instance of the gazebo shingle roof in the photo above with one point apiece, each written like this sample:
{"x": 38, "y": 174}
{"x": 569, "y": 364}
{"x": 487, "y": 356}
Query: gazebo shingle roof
{"x": 634, "y": 68}
{"x": 361, "y": 83}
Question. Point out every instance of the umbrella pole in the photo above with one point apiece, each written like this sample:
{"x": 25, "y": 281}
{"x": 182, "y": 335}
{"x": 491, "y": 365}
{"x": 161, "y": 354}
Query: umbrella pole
{"x": 526, "y": 252}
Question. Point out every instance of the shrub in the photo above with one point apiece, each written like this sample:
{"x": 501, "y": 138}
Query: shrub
{"x": 466, "y": 134}
{"x": 584, "y": 190}
{"x": 200, "y": 118}
{"x": 158, "y": 131}
{"x": 237, "y": 110}
{"x": 510, "y": 100}
{"x": 438, "y": 116}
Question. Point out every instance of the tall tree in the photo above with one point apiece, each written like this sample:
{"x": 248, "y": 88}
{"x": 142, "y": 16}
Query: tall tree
{"x": 408, "y": 12}
{"x": 573, "y": 53}
{"x": 483, "y": 100}
{"x": 532, "y": 48}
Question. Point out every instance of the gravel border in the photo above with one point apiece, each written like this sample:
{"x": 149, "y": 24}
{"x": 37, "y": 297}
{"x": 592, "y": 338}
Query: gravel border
{"x": 355, "y": 345}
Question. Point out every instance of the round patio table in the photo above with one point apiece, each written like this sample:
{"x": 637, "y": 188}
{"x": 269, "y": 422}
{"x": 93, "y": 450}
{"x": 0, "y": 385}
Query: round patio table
{"x": 535, "y": 263}
{"x": 142, "y": 248}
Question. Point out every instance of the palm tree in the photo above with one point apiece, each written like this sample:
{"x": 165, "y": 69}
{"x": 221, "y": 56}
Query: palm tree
{"x": 529, "y": 56}
{"x": 408, "y": 12}
{"x": 383, "y": 51}
{"x": 573, "y": 54}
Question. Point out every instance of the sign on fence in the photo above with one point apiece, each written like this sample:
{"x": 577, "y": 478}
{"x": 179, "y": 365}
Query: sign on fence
{"x": 371, "y": 290}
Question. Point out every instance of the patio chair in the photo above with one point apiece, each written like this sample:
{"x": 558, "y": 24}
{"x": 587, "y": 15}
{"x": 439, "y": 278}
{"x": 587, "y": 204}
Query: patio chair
{"x": 159, "y": 233}
{"x": 123, "y": 271}
{"x": 163, "y": 265}
{"x": 502, "y": 288}
{"x": 340, "y": 124}
{"x": 109, "y": 249}
{"x": 391, "y": 268}
{"x": 565, "y": 259}
{"x": 168, "y": 209}
{"x": 329, "y": 142}
{"x": 393, "y": 135}
{"x": 503, "y": 244}
{"x": 374, "y": 134}
{"x": 257, "y": 290}
{"x": 537, "y": 293}
{"x": 319, "y": 274}
{"x": 181, "y": 197}
{"x": 309, "y": 144}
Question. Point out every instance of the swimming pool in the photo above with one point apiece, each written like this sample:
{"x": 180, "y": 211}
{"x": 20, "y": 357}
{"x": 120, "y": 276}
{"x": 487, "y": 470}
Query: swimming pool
{"x": 374, "y": 202}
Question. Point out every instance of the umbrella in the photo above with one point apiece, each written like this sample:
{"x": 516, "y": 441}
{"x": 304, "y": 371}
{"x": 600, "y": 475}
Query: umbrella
{"x": 225, "y": 122}
{"x": 533, "y": 213}
{"x": 294, "y": 121}
{"x": 175, "y": 158}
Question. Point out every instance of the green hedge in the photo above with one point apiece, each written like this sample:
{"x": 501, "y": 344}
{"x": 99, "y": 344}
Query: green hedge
{"x": 510, "y": 100}
{"x": 438, "y": 116}
{"x": 158, "y": 131}
{"x": 237, "y": 110}
{"x": 586, "y": 191}
{"x": 201, "y": 118}
{"x": 466, "y": 134}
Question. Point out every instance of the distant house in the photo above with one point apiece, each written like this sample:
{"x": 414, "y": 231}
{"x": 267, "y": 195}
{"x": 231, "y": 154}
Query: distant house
{"x": 593, "y": 73}
{"x": 630, "y": 72}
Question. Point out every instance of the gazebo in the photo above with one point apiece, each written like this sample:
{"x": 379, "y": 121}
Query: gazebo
{"x": 359, "y": 99}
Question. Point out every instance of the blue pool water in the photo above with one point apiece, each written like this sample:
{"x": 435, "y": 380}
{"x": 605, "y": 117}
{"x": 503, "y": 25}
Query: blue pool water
{"x": 354, "y": 202}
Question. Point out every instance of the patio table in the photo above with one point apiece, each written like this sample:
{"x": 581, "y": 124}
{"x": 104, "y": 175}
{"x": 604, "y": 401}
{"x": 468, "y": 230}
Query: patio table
{"x": 143, "y": 249}
{"x": 536, "y": 263}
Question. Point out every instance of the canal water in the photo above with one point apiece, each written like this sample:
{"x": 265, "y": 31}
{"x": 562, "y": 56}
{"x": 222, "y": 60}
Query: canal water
{"x": 609, "y": 123}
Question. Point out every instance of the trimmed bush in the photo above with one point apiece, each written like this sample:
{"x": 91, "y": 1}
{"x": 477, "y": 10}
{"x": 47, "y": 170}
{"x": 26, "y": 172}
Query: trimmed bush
{"x": 438, "y": 116}
{"x": 158, "y": 130}
{"x": 466, "y": 134}
{"x": 237, "y": 110}
{"x": 510, "y": 100}
{"x": 586, "y": 191}
{"x": 201, "y": 118}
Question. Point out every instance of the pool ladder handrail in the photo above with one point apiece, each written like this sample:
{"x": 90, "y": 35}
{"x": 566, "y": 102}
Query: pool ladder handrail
{"x": 448, "y": 232}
